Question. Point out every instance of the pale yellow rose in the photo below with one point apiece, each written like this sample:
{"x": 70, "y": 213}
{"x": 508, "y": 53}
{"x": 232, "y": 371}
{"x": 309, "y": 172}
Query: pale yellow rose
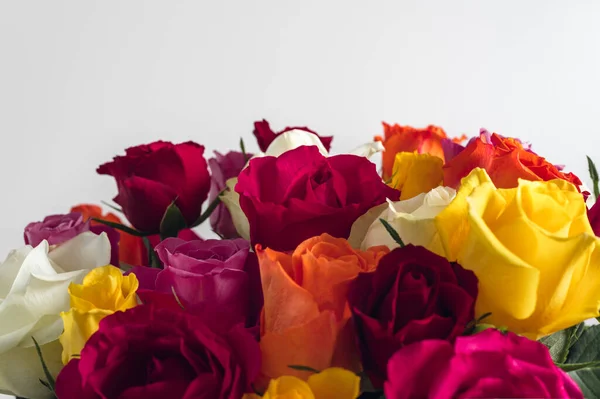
{"x": 532, "y": 249}
{"x": 416, "y": 173}
{"x": 333, "y": 382}
{"x": 104, "y": 291}
{"x": 413, "y": 219}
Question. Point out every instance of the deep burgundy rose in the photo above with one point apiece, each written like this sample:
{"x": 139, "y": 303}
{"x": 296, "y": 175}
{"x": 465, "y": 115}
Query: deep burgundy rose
{"x": 150, "y": 177}
{"x": 485, "y": 365}
{"x": 153, "y": 353}
{"x": 57, "y": 229}
{"x": 594, "y": 217}
{"x": 265, "y": 136}
{"x": 413, "y": 295}
{"x": 218, "y": 280}
{"x": 302, "y": 194}
{"x": 222, "y": 168}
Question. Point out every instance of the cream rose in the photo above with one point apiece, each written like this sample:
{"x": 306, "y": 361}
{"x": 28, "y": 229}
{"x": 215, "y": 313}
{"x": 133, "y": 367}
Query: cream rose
{"x": 33, "y": 291}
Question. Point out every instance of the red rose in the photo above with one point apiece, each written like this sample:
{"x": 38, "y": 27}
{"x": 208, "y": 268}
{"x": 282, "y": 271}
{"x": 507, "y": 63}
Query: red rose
{"x": 302, "y": 194}
{"x": 505, "y": 160}
{"x": 594, "y": 217}
{"x": 153, "y": 353}
{"x": 485, "y": 365}
{"x": 413, "y": 295}
{"x": 150, "y": 177}
{"x": 265, "y": 136}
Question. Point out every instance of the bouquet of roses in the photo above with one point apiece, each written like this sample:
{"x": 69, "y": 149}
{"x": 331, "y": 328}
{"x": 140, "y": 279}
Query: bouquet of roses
{"x": 460, "y": 269}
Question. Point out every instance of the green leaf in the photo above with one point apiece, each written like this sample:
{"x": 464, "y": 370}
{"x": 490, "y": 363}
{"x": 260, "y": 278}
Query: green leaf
{"x": 152, "y": 257}
{"x": 49, "y": 383}
{"x": 587, "y": 350}
{"x": 172, "y": 222}
{"x": 243, "y": 149}
{"x": 559, "y": 343}
{"x": 578, "y": 366}
{"x": 211, "y": 207}
{"x": 122, "y": 227}
{"x": 303, "y": 368}
{"x": 392, "y": 232}
{"x": 113, "y": 207}
{"x": 594, "y": 176}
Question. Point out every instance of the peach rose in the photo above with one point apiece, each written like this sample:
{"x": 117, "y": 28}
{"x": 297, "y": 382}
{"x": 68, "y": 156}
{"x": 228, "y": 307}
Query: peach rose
{"x": 305, "y": 315}
{"x": 408, "y": 139}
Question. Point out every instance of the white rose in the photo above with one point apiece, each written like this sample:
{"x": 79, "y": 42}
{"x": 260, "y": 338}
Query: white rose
{"x": 413, "y": 219}
{"x": 283, "y": 143}
{"x": 33, "y": 292}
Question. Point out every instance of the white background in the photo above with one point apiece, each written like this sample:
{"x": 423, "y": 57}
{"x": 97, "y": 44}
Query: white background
{"x": 81, "y": 80}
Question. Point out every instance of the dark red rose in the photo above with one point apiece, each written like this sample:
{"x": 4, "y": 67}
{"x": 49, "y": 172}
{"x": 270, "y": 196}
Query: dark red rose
{"x": 154, "y": 353}
{"x": 302, "y": 194}
{"x": 413, "y": 295}
{"x": 489, "y": 364}
{"x": 594, "y": 217}
{"x": 222, "y": 168}
{"x": 265, "y": 136}
{"x": 150, "y": 177}
{"x": 218, "y": 280}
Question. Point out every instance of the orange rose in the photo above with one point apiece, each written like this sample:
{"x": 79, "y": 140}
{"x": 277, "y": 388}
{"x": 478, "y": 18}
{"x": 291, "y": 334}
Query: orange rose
{"x": 505, "y": 160}
{"x": 305, "y": 311}
{"x": 131, "y": 248}
{"x": 408, "y": 139}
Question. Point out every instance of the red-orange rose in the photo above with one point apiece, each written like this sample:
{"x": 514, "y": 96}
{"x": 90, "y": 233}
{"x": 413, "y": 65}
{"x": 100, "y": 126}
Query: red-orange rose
{"x": 430, "y": 140}
{"x": 505, "y": 160}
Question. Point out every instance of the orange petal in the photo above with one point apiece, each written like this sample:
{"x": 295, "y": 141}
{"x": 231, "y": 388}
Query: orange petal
{"x": 311, "y": 344}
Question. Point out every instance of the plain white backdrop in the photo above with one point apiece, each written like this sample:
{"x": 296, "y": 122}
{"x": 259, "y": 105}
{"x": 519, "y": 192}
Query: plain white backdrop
{"x": 81, "y": 80}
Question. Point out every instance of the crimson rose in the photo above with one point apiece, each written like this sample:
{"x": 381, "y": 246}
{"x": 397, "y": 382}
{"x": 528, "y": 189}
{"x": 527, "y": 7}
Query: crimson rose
{"x": 413, "y": 295}
{"x": 302, "y": 194}
{"x": 485, "y": 365}
{"x": 153, "y": 353}
{"x": 150, "y": 177}
{"x": 265, "y": 136}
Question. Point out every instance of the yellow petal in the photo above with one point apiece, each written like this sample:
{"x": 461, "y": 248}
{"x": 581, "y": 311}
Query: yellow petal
{"x": 288, "y": 387}
{"x": 336, "y": 383}
{"x": 415, "y": 173}
{"x": 452, "y": 223}
{"x": 104, "y": 288}
{"x": 78, "y": 328}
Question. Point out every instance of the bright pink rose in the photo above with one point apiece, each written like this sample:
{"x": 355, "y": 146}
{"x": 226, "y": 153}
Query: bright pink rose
{"x": 485, "y": 365}
{"x": 302, "y": 194}
{"x": 265, "y": 136}
{"x": 150, "y": 177}
{"x": 153, "y": 353}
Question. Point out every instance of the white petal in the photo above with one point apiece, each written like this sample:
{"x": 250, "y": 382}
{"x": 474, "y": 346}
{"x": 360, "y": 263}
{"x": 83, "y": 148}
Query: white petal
{"x": 37, "y": 262}
{"x": 231, "y": 199}
{"x": 10, "y": 269}
{"x": 368, "y": 150}
{"x": 86, "y": 251}
{"x": 294, "y": 139}
{"x": 21, "y": 370}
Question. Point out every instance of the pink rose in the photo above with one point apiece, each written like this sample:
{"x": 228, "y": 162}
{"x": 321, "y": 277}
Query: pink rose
{"x": 486, "y": 365}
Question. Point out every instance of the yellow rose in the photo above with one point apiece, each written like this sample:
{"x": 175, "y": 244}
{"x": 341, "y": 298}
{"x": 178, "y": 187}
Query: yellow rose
{"x": 415, "y": 173}
{"x": 104, "y": 291}
{"x": 333, "y": 382}
{"x": 532, "y": 249}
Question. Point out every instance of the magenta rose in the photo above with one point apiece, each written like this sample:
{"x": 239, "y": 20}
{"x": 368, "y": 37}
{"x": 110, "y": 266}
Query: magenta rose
{"x": 413, "y": 295}
{"x": 57, "y": 229}
{"x": 150, "y": 177}
{"x": 265, "y": 136}
{"x": 216, "y": 279}
{"x": 302, "y": 194}
{"x": 489, "y": 364}
{"x": 154, "y": 353}
{"x": 222, "y": 168}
